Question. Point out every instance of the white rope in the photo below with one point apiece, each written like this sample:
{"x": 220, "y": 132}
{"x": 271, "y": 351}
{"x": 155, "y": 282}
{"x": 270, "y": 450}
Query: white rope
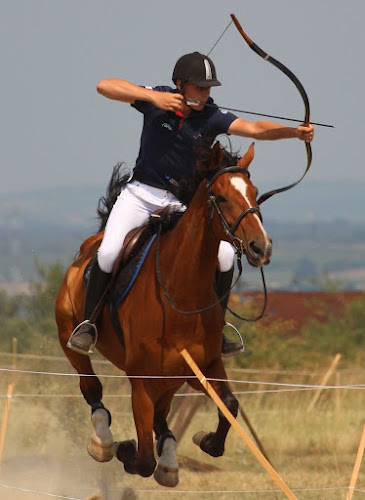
{"x": 181, "y": 394}
{"x": 26, "y": 490}
{"x": 231, "y": 381}
{"x": 230, "y": 369}
{"x": 100, "y": 375}
{"x": 49, "y": 358}
{"x": 210, "y": 492}
{"x": 192, "y": 492}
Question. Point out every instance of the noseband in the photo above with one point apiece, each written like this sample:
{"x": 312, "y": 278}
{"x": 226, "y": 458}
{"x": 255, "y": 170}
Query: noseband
{"x": 212, "y": 202}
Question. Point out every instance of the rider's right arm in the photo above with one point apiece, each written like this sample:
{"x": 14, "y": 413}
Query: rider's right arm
{"x": 121, "y": 90}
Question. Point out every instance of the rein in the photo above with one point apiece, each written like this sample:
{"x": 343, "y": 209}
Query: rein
{"x": 229, "y": 230}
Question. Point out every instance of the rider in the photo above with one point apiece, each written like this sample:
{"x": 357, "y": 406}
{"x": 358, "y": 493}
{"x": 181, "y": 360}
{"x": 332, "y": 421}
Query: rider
{"x": 176, "y": 121}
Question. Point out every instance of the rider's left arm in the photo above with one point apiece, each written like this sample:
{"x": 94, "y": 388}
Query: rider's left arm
{"x": 270, "y": 131}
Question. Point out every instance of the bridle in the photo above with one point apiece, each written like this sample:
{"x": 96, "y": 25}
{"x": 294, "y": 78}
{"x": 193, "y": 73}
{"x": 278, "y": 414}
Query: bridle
{"x": 229, "y": 230}
{"x": 214, "y": 204}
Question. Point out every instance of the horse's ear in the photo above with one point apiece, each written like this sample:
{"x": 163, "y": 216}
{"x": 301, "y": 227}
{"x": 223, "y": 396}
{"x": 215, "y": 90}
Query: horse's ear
{"x": 248, "y": 157}
{"x": 216, "y": 156}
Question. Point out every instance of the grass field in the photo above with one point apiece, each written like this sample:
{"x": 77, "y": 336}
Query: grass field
{"x": 314, "y": 452}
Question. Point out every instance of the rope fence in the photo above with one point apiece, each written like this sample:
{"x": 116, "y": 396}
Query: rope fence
{"x": 41, "y": 493}
{"x": 292, "y": 386}
{"x": 265, "y": 387}
{"x": 104, "y": 362}
{"x": 188, "y": 492}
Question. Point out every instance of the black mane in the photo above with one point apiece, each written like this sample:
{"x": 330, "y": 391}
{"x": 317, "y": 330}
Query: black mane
{"x": 187, "y": 187}
{"x": 120, "y": 177}
{"x": 185, "y": 191}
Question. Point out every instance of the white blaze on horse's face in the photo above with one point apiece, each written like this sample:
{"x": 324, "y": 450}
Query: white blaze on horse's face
{"x": 241, "y": 186}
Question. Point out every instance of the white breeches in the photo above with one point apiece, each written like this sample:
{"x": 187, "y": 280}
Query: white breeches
{"x": 133, "y": 207}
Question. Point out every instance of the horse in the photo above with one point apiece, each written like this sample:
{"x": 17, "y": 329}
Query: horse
{"x": 180, "y": 267}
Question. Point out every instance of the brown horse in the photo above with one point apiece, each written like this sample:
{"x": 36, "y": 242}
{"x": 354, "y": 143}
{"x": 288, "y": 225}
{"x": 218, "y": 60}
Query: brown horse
{"x": 224, "y": 207}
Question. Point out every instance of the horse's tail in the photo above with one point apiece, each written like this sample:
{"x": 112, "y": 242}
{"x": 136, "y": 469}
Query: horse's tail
{"x": 120, "y": 176}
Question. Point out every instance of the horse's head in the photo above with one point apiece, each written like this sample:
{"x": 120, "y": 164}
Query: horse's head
{"x": 234, "y": 211}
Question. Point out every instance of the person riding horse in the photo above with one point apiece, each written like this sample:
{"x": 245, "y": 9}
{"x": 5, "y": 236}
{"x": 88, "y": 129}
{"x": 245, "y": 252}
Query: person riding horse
{"x": 176, "y": 122}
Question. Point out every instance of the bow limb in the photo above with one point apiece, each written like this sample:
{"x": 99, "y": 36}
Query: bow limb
{"x": 301, "y": 90}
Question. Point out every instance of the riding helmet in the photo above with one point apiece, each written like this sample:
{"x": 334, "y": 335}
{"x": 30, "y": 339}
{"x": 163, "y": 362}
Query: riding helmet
{"x": 196, "y": 68}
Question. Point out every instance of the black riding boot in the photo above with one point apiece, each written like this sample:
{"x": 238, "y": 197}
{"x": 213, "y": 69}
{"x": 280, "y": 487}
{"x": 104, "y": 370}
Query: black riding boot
{"x": 85, "y": 334}
{"x": 223, "y": 283}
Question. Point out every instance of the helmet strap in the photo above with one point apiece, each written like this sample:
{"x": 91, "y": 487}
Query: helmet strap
{"x": 182, "y": 87}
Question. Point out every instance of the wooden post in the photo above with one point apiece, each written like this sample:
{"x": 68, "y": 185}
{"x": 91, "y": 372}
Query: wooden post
{"x": 323, "y": 382}
{"x": 337, "y": 394}
{"x": 5, "y": 419}
{"x": 260, "y": 457}
{"x": 181, "y": 427}
{"x": 254, "y": 435}
{"x": 180, "y": 408}
{"x": 7, "y": 403}
{"x": 15, "y": 345}
{"x": 355, "y": 472}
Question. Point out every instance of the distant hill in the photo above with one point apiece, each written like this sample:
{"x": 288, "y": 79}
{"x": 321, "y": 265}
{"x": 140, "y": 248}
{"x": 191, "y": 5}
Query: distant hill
{"x": 308, "y": 201}
{"x": 56, "y": 206}
{"x": 317, "y": 227}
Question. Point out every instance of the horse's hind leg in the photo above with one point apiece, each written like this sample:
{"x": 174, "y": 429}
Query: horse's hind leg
{"x": 213, "y": 442}
{"x": 100, "y": 446}
{"x": 167, "y": 470}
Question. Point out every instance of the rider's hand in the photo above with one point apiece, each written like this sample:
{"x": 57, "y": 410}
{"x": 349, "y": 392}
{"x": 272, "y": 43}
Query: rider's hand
{"x": 167, "y": 100}
{"x": 305, "y": 132}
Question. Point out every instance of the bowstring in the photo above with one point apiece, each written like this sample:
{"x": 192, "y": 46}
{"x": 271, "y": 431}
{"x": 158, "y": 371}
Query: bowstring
{"x": 216, "y": 43}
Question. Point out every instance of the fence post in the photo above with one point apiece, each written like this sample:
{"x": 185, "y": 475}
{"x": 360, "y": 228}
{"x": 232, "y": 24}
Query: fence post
{"x": 260, "y": 457}
{"x": 355, "y": 472}
{"x": 7, "y": 403}
{"x": 324, "y": 381}
{"x": 5, "y": 419}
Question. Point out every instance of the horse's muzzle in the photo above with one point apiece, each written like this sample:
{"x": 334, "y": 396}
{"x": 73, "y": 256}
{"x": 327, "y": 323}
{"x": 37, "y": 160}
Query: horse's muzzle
{"x": 258, "y": 253}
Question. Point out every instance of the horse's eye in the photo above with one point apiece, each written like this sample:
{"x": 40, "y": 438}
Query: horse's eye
{"x": 221, "y": 199}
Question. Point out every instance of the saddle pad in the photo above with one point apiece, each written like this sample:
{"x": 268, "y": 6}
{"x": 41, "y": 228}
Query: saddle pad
{"x": 127, "y": 274}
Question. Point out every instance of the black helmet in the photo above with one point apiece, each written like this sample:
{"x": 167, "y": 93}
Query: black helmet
{"x": 197, "y": 69}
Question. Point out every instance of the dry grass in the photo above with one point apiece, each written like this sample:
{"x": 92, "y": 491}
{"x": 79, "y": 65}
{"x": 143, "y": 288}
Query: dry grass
{"x": 314, "y": 452}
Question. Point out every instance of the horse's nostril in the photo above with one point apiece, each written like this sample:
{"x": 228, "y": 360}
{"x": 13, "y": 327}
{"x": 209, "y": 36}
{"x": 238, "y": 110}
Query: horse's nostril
{"x": 255, "y": 247}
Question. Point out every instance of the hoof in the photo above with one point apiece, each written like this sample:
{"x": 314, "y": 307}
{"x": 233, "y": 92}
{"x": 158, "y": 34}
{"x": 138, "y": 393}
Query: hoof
{"x": 125, "y": 450}
{"x": 101, "y": 441}
{"x": 98, "y": 452}
{"x": 166, "y": 476}
{"x": 198, "y": 437}
{"x": 207, "y": 442}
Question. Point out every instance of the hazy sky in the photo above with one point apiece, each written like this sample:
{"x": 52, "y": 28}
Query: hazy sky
{"x": 56, "y": 129}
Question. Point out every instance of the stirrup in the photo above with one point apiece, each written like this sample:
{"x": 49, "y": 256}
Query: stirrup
{"x": 96, "y": 335}
{"x": 238, "y": 333}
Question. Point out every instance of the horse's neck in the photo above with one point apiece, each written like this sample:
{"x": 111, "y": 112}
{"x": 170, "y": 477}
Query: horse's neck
{"x": 193, "y": 246}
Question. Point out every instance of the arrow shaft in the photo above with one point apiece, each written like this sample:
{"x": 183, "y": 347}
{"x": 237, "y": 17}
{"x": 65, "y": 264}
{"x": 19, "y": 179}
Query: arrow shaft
{"x": 189, "y": 102}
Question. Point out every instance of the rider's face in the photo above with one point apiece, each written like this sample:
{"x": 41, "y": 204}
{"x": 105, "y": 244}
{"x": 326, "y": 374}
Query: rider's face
{"x": 195, "y": 93}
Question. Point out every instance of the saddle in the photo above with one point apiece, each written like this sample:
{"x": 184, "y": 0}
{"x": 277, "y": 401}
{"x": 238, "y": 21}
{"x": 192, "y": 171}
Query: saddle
{"x": 134, "y": 251}
{"x": 134, "y": 241}
{"x": 130, "y": 260}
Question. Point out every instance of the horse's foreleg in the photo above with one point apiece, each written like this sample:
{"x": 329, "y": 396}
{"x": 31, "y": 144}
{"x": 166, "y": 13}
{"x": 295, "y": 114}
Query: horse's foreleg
{"x": 213, "y": 442}
{"x": 142, "y": 460}
{"x": 101, "y": 441}
{"x": 167, "y": 470}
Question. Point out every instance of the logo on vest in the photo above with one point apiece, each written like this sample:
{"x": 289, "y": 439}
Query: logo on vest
{"x": 167, "y": 125}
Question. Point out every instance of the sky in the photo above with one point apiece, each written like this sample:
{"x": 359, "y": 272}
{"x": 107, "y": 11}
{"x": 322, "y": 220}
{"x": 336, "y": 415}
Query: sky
{"x": 56, "y": 130}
